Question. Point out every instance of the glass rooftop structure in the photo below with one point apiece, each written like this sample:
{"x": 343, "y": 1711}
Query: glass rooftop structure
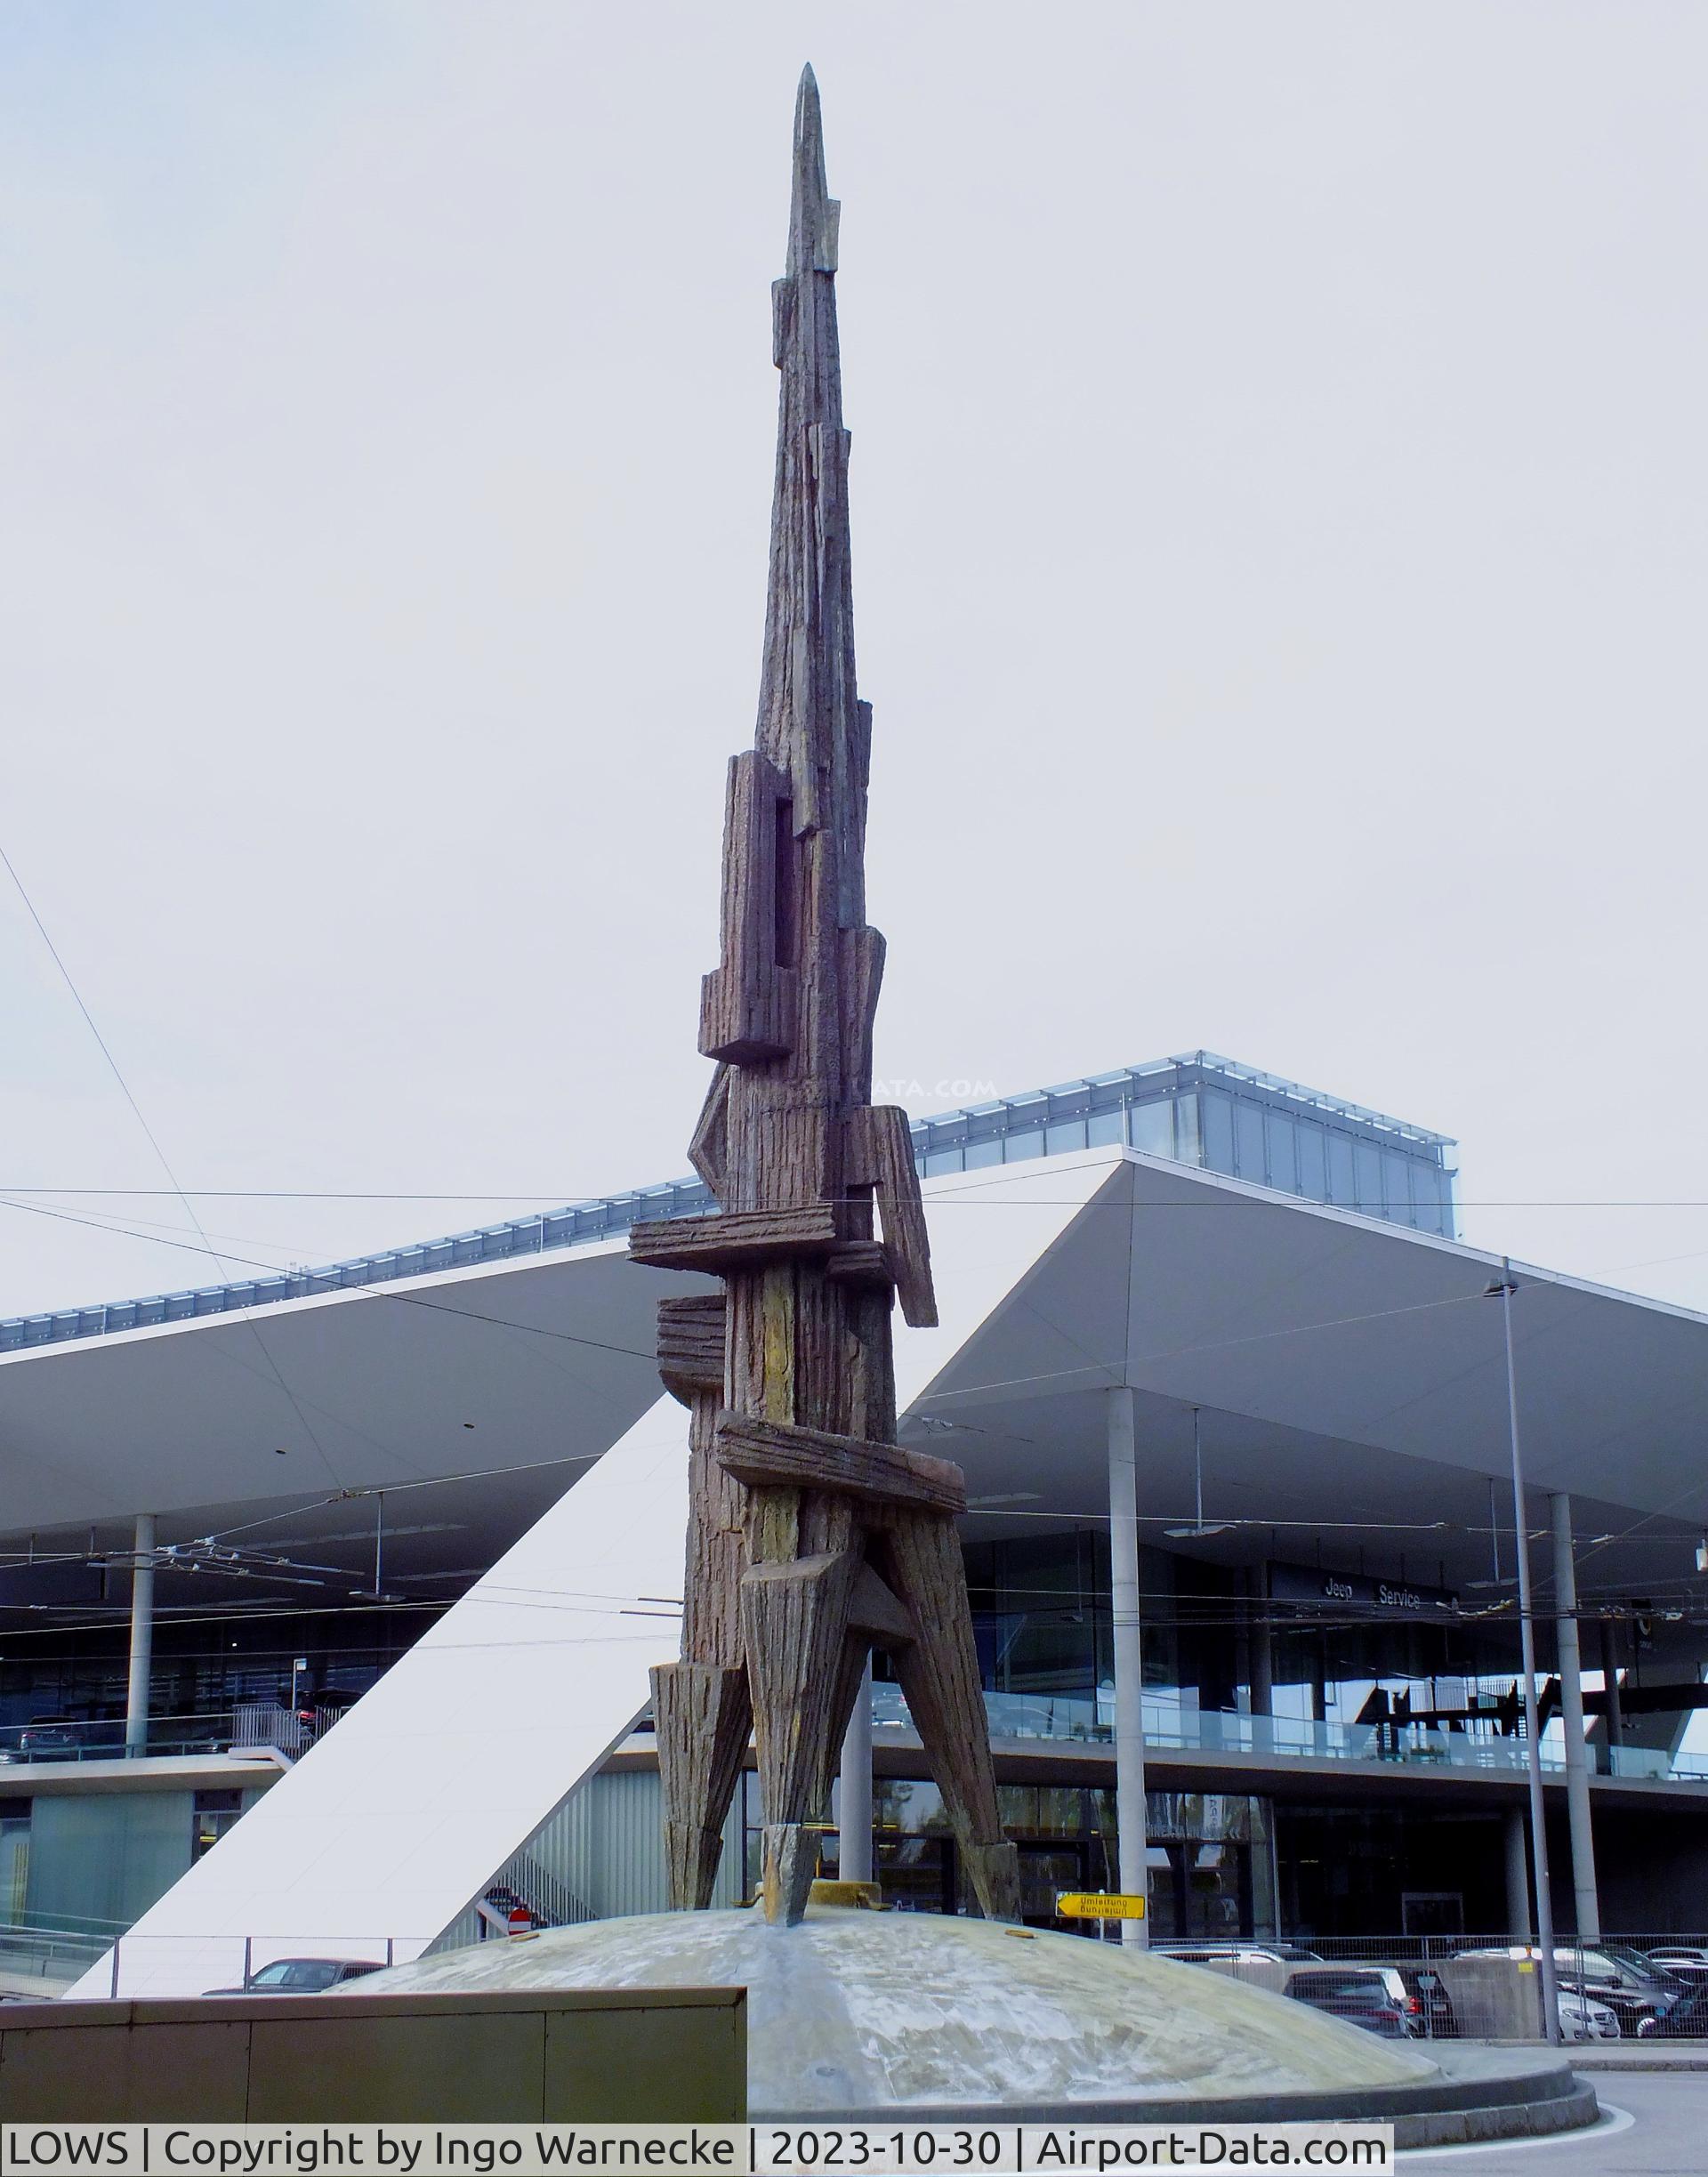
{"x": 1196, "y": 1108}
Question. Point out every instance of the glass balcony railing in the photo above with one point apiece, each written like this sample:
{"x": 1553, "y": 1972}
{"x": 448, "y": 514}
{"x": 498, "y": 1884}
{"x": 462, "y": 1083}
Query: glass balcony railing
{"x": 1171, "y": 1725}
{"x": 1656, "y": 1764}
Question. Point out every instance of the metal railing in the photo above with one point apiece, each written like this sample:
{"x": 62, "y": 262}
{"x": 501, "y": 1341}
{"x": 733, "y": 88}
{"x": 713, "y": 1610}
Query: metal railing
{"x": 257, "y": 1725}
{"x": 182, "y": 1965}
{"x": 52, "y": 1952}
{"x": 277, "y": 1726}
{"x": 179, "y": 1966}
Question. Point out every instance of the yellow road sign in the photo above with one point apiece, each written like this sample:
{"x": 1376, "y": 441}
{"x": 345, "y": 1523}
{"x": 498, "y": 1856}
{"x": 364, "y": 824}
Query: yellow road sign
{"x": 1100, "y": 1905}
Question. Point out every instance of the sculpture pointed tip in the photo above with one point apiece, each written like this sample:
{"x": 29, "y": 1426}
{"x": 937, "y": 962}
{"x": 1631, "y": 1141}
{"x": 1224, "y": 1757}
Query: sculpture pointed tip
{"x": 812, "y": 239}
{"x": 808, "y": 121}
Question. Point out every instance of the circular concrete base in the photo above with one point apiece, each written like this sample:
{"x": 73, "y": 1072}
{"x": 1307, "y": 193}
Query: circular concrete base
{"x": 861, "y": 2014}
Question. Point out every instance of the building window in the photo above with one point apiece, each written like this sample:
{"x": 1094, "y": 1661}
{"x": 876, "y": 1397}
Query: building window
{"x": 1248, "y": 1141}
{"x": 1218, "y": 1129}
{"x": 1186, "y": 1130}
{"x": 1313, "y": 1161}
{"x": 1284, "y": 1162}
{"x": 1150, "y": 1128}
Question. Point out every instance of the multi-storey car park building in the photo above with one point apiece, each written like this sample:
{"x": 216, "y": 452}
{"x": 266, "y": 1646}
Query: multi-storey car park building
{"x": 432, "y": 1495}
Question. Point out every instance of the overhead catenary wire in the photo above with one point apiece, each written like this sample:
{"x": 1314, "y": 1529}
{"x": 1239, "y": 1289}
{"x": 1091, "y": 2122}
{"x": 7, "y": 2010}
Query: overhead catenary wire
{"x": 557, "y": 1197}
{"x": 161, "y": 1158}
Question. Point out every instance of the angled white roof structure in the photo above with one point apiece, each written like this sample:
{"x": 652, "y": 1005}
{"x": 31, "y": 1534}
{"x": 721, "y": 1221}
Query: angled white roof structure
{"x": 402, "y": 1816}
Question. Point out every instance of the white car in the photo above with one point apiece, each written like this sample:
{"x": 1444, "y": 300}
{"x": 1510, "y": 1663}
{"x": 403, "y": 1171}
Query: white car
{"x": 1583, "y": 2018}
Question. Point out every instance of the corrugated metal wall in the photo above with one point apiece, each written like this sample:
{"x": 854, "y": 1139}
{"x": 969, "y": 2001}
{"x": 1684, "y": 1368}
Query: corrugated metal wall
{"x": 605, "y": 1846}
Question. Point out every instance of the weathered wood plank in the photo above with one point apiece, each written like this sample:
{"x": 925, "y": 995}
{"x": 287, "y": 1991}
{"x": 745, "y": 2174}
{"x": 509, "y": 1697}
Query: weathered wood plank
{"x": 708, "y": 1145}
{"x": 717, "y": 1546}
{"x": 862, "y": 1261}
{"x": 881, "y": 1150}
{"x": 747, "y": 1002}
{"x": 729, "y": 1240}
{"x": 701, "y": 1714}
{"x": 690, "y": 1344}
{"x": 766, "y": 1453}
{"x": 795, "y": 1624}
{"x": 875, "y": 1611}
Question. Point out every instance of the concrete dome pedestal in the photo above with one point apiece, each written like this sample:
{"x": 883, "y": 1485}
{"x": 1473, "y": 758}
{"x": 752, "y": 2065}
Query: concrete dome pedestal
{"x": 858, "y": 2014}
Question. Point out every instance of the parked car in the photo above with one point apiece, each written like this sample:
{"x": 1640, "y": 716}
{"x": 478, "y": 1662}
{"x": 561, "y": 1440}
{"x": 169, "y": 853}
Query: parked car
{"x": 1583, "y": 2018}
{"x": 47, "y": 1739}
{"x": 1416, "y": 1990}
{"x": 1683, "y": 1961}
{"x": 1434, "y": 2011}
{"x": 1610, "y": 1974}
{"x": 1686, "y": 2021}
{"x": 300, "y": 1976}
{"x": 1374, "y": 1997}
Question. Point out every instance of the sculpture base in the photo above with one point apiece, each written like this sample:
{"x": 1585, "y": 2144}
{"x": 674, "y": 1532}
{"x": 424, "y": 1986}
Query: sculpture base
{"x": 859, "y": 2014}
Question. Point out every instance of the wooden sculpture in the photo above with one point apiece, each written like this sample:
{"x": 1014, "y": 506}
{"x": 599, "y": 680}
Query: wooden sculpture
{"x": 813, "y": 1535}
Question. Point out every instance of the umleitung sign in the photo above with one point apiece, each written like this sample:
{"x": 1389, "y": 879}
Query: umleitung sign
{"x": 1100, "y": 1905}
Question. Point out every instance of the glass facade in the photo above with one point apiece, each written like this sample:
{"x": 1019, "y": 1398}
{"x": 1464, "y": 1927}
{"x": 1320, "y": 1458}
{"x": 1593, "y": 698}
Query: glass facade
{"x": 1196, "y": 1108}
{"x": 1212, "y": 1854}
{"x": 1200, "y": 1110}
{"x": 1351, "y": 1681}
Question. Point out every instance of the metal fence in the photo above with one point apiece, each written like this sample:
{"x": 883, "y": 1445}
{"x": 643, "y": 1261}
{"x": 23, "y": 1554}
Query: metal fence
{"x": 174, "y": 1966}
{"x": 1644, "y": 1986}
{"x": 49, "y": 1954}
{"x": 255, "y": 1725}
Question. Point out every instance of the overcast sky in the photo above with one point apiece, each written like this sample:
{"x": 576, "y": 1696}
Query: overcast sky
{"x": 1279, "y": 557}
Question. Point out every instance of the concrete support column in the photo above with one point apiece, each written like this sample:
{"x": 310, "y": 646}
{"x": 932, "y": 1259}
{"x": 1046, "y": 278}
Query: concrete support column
{"x": 1615, "y": 1711}
{"x": 1129, "y": 1660}
{"x": 1519, "y": 1924}
{"x": 136, "y": 1705}
{"x": 1571, "y": 1709}
{"x": 854, "y": 1790}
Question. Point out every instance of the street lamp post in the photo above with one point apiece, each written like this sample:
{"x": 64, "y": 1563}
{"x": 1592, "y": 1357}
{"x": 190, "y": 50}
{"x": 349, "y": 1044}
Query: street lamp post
{"x": 1527, "y": 1646}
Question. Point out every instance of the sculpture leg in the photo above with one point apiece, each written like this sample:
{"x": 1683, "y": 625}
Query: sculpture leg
{"x": 795, "y": 1628}
{"x": 701, "y": 1718}
{"x": 938, "y": 1672}
{"x": 701, "y": 1710}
